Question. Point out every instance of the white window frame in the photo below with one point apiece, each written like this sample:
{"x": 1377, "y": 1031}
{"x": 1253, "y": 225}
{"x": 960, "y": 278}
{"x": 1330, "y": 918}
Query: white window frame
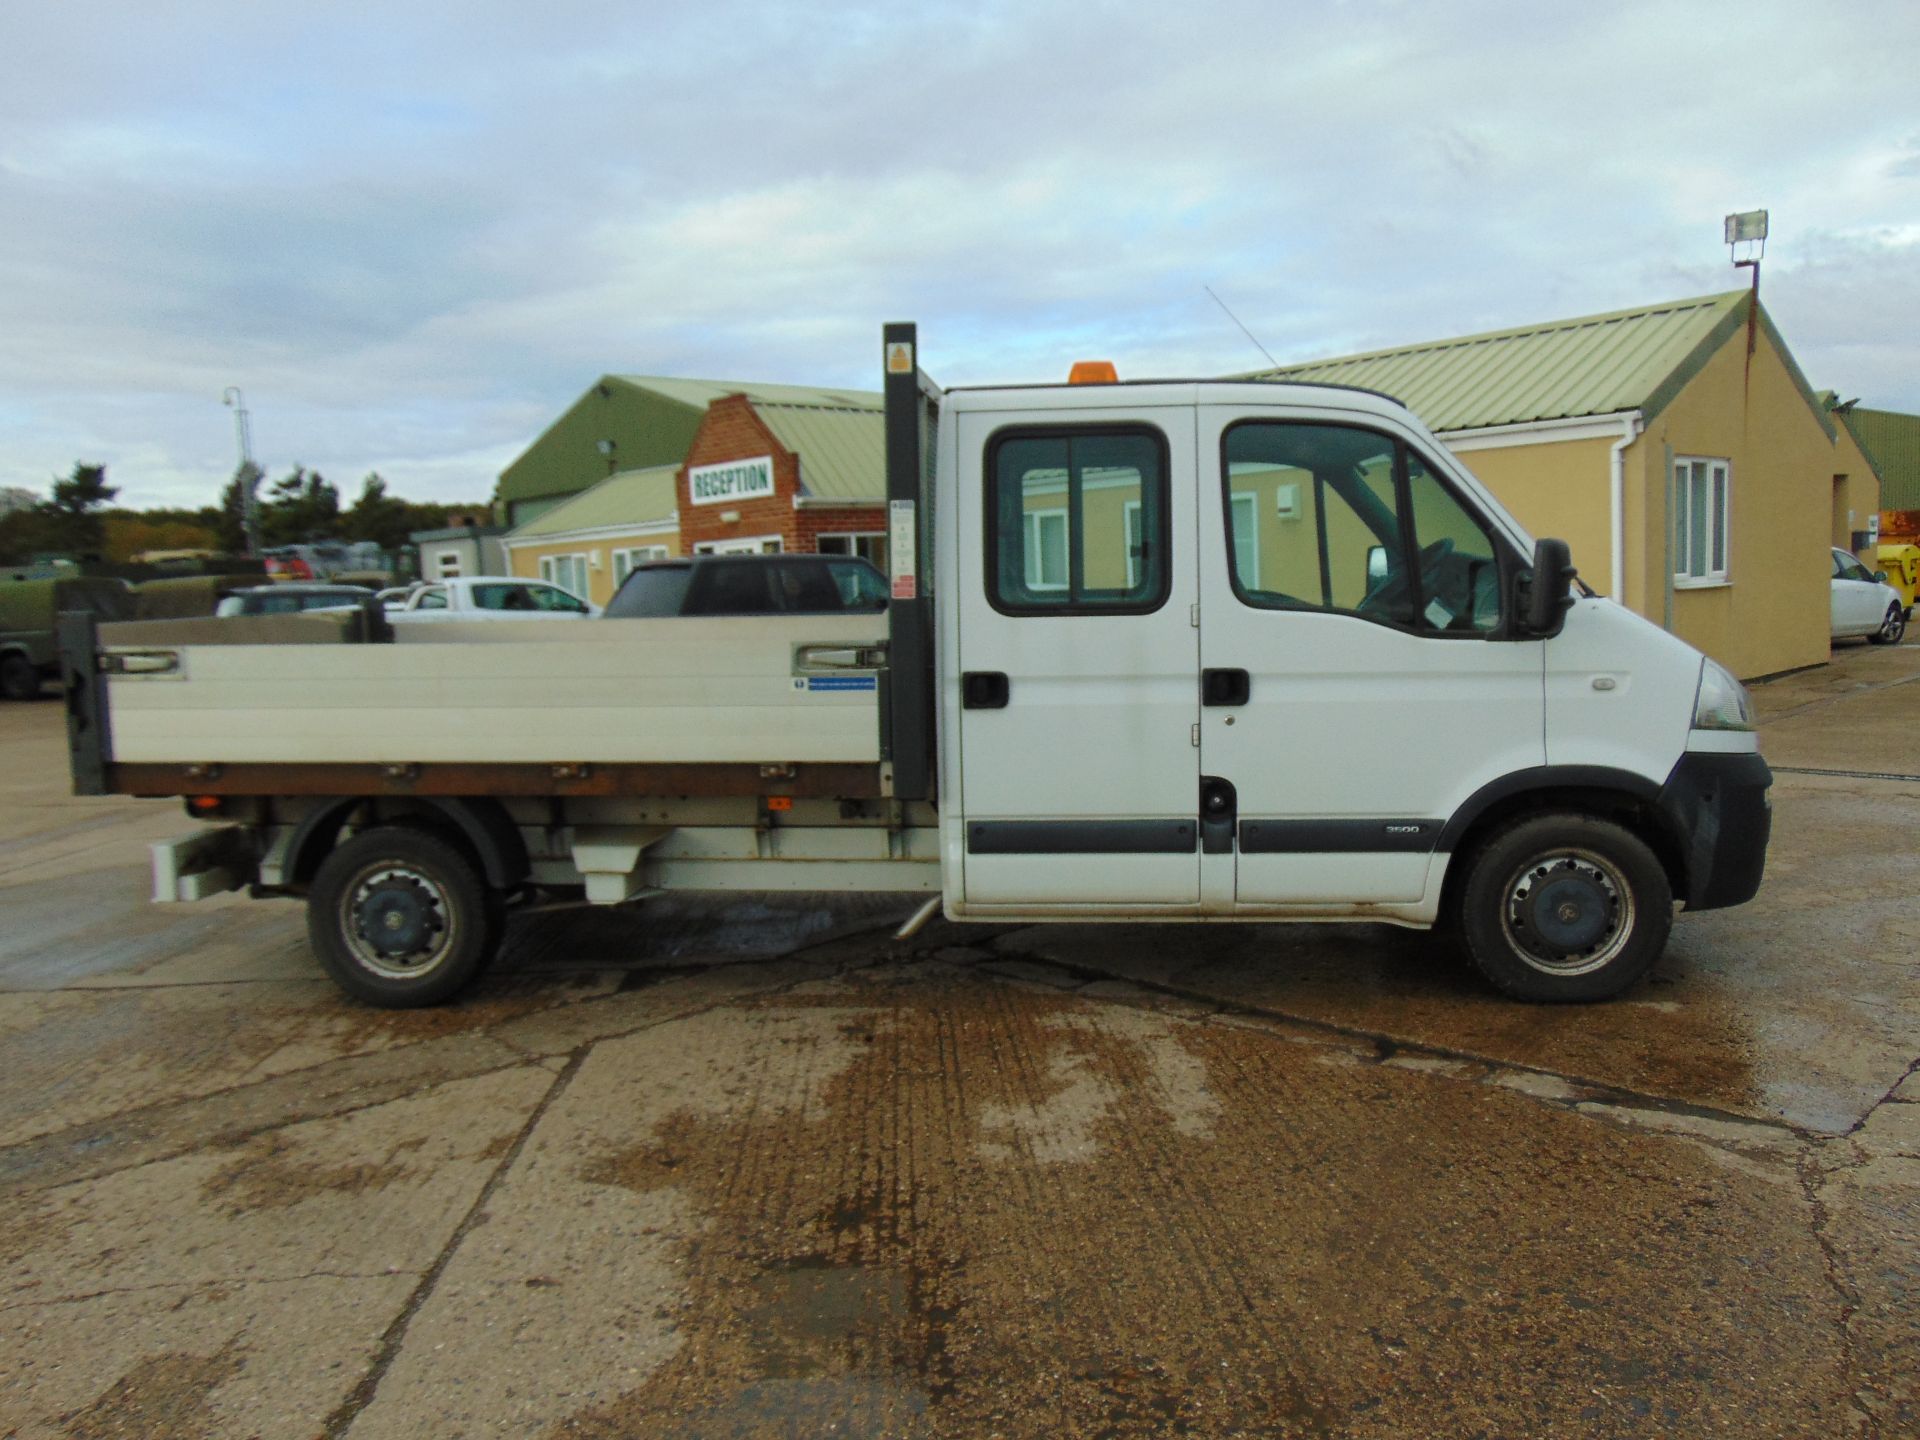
{"x": 745, "y": 545}
{"x": 1246, "y": 542}
{"x": 629, "y": 558}
{"x": 443, "y": 570}
{"x": 873, "y": 551}
{"x": 1690, "y": 471}
{"x": 558, "y": 570}
{"x": 1036, "y": 552}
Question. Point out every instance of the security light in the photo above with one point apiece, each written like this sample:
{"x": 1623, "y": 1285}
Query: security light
{"x": 1747, "y": 225}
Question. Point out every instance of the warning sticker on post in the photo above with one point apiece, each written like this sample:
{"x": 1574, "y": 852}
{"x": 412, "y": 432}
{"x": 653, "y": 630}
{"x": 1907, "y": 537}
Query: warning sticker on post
{"x": 902, "y": 552}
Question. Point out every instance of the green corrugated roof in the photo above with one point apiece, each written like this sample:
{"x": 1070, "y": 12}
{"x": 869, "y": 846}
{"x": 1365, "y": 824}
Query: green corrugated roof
{"x": 1592, "y": 365}
{"x": 1891, "y": 441}
{"x": 842, "y": 449}
{"x": 650, "y": 419}
{"x": 632, "y": 497}
{"x": 702, "y": 393}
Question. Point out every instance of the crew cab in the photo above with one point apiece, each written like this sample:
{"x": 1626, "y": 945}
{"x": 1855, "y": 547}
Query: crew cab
{"x": 1216, "y": 651}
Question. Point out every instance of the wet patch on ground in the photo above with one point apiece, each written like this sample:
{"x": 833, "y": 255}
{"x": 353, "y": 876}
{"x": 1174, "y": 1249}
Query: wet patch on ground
{"x": 1008, "y": 1207}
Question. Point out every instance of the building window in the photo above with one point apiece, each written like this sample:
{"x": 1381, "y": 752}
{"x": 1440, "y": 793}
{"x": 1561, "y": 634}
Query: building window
{"x": 870, "y": 546}
{"x": 569, "y": 572}
{"x": 1701, "y": 496}
{"x": 625, "y": 562}
{"x": 446, "y": 564}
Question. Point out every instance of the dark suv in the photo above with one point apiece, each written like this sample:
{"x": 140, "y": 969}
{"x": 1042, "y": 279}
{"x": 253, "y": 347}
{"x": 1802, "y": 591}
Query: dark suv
{"x": 750, "y": 585}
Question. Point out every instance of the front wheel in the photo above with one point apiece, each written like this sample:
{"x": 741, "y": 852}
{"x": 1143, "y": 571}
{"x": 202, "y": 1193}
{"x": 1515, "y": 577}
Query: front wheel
{"x": 19, "y": 680}
{"x": 1565, "y": 907}
{"x": 1892, "y": 628}
{"x": 400, "y": 918}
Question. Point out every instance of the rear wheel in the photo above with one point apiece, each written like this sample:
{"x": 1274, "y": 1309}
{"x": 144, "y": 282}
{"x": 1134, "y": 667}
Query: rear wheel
{"x": 1892, "y": 628}
{"x": 401, "y": 918}
{"x": 19, "y": 680}
{"x": 1565, "y": 907}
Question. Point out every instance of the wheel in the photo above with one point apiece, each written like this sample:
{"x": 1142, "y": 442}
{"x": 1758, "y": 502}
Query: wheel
{"x": 1892, "y": 628}
{"x": 19, "y": 680}
{"x": 1564, "y": 907}
{"x": 400, "y": 918}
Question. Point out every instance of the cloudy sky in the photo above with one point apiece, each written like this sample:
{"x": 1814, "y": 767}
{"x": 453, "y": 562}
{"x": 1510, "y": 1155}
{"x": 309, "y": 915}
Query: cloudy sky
{"x": 413, "y": 233}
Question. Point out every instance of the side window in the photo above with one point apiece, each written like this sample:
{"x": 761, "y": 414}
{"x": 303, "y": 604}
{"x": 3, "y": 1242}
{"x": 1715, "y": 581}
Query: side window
{"x": 434, "y": 599}
{"x": 1077, "y": 522}
{"x": 1335, "y": 518}
{"x": 861, "y": 587}
{"x": 546, "y": 597}
{"x": 1459, "y": 568}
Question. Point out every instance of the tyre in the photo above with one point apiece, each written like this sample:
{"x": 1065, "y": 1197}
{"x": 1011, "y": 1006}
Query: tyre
{"x": 1565, "y": 907}
{"x": 401, "y": 918}
{"x": 1892, "y": 628}
{"x": 19, "y": 680}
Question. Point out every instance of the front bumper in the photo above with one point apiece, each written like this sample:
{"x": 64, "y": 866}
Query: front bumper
{"x": 1717, "y": 807}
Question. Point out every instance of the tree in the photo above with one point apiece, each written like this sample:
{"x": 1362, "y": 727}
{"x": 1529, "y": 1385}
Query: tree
{"x": 377, "y": 516}
{"x": 74, "y": 506}
{"x": 300, "y": 508}
{"x": 229, "y": 521}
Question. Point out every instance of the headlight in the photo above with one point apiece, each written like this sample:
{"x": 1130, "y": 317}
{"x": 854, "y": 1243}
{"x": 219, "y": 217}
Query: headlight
{"x": 1723, "y": 703}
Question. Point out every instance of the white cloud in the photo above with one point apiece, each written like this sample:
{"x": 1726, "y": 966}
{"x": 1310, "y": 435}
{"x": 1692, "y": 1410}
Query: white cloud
{"x": 415, "y": 234}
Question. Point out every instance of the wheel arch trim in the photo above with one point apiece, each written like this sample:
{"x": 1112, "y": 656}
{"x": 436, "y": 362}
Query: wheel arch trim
{"x": 486, "y": 827}
{"x": 1604, "y": 779}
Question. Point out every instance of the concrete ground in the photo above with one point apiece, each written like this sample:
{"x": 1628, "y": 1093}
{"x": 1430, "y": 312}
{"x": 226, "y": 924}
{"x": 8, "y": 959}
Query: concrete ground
{"x": 757, "y": 1171}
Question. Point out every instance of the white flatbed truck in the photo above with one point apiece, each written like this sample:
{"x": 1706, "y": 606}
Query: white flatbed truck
{"x": 1158, "y": 651}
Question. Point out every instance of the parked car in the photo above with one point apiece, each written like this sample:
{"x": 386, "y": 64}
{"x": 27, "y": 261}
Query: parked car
{"x": 750, "y": 585}
{"x": 1864, "y": 604}
{"x": 488, "y": 597}
{"x": 291, "y": 598}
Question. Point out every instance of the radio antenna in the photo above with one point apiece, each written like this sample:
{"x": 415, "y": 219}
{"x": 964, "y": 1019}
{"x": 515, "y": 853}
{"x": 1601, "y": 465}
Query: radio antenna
{"x": 1243, "y": 329}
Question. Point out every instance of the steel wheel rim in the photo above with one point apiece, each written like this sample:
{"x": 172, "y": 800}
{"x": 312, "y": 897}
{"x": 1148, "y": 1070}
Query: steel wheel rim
{"x": 1891, "y": 627}
{"x": 1534, "y": 908}
{"x": 425, "y": 934}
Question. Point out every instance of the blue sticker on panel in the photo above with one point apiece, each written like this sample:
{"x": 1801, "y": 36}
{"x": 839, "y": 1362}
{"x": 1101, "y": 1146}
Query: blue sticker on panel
{"x": 842, "y": 682}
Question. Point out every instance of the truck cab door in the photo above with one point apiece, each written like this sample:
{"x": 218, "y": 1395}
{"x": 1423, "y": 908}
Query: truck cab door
{"x": 1355, "y": 597}
{"x": 1077, "y": 653}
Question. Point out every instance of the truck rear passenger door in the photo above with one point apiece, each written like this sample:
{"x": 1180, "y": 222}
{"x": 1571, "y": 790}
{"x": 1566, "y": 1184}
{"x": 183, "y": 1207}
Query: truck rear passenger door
{"x": 1078, "y": 657}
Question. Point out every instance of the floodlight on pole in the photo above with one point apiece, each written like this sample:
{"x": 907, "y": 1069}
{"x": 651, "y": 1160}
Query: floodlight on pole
{"x": 247, "y": 474}
{"x": 1749, "y": 228}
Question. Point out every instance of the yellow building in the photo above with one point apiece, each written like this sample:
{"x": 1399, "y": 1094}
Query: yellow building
{"x": 588, "y": 542}
{"x": 1677, "y": 448}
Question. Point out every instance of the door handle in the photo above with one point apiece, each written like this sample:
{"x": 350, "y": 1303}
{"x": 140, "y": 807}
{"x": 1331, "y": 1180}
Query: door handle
{"x": 1225, "y": 687}
{"x": 983, "y": 690}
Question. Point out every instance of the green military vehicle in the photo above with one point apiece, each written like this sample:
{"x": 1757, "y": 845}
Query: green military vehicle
{"x": 28, "y": 658}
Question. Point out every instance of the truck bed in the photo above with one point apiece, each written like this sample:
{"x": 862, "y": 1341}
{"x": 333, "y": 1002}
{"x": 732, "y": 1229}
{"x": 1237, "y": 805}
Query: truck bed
{"x": 563, "y": 695}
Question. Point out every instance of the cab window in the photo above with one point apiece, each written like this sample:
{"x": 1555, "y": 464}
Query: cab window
{"x": 1342, "y": 519}
{"x": 1077, "y": 522}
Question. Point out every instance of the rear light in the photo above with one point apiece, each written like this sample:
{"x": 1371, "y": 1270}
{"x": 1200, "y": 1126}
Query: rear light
{"x": 205, "y": 807}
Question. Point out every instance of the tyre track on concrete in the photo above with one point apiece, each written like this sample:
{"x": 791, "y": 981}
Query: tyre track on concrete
{"x": 1384, "y": 1047}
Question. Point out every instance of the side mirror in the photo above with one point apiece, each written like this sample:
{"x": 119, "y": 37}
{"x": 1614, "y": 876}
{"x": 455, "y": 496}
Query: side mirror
{"x": 1547, "y": 588}
{"x": 1376, "y": 564}
{"x": 1881, "y": 576}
